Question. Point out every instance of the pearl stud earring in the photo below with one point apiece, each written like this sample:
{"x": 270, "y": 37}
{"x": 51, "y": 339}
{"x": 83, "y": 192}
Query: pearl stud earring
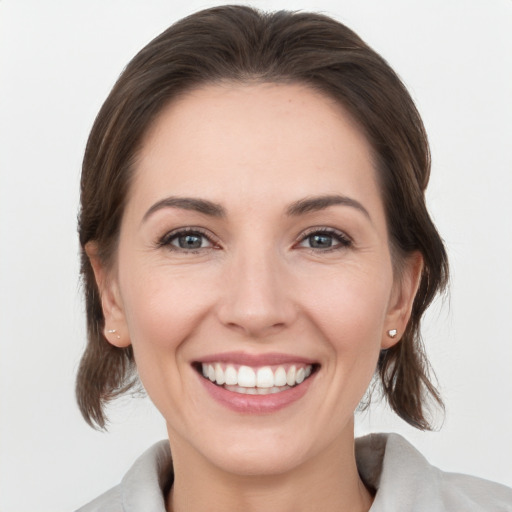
{"x": 392, "y": 333}
{"x": 113, "y": 331}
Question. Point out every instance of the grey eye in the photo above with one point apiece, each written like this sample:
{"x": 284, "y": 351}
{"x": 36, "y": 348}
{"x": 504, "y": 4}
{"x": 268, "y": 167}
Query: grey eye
{"x": 325, "y": 240}
{"x": 190, "y": 241}
{"x": 320, "y": 241}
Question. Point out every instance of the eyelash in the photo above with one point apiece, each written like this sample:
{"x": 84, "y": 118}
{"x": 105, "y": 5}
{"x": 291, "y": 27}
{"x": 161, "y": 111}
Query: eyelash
{"x": 168, "y": 238}
{"x": 343, "y": 240}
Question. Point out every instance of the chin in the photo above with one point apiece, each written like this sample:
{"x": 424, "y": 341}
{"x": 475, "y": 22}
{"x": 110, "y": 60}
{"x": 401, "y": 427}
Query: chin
{"x": 252, "y": 460}
{"x": 265, "y": 450}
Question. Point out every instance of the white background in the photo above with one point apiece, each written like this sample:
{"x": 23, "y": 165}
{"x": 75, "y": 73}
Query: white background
{"x": 59, "y": 59}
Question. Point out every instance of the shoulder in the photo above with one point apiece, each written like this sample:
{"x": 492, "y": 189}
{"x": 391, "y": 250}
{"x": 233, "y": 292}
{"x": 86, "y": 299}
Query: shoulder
{"x": 469, "y": 491}
{"x": 404, "y": 480}
{"x": 143, "y": 486}
{"x": 109, "y": 501}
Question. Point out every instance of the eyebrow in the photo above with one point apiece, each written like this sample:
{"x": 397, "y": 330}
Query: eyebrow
{"x": 317, "y": 203}
{"x": 187, "y": 203}
{"x": 300, "y": 207}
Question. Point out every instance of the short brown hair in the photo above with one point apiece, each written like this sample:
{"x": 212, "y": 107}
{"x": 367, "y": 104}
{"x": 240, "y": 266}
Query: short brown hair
{"x": 241, "y": 44}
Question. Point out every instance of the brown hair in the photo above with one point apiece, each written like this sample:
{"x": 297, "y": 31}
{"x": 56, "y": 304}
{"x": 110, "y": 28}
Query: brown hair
{"x": 241, "y": 44}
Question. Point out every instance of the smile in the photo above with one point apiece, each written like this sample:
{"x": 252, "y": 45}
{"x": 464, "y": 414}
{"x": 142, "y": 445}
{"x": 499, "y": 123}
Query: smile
{"x": 262, "y": 380}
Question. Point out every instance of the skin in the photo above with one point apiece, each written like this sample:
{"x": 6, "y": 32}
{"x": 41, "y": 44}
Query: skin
{"x": 257, "y": 285}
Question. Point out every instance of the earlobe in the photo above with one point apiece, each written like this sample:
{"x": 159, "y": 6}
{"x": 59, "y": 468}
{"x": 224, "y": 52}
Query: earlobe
{"x": 115, "y": 329}
{"x": 402, "y": 299}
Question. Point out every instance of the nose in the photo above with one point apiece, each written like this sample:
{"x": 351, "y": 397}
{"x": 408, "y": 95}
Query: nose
{"x": 256, "y": 296}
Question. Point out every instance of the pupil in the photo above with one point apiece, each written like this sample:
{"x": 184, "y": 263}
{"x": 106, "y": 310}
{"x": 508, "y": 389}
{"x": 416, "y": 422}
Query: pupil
{"x": 190, "y": 242}
{"x": 320, "y": 241}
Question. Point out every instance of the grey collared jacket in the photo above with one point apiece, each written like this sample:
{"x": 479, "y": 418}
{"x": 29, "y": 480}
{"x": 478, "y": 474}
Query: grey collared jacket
{"x": 403, "y": 480}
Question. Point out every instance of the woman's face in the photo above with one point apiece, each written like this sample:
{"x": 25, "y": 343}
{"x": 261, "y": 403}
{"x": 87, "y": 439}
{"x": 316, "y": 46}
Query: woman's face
{"x": 254, "y": 248}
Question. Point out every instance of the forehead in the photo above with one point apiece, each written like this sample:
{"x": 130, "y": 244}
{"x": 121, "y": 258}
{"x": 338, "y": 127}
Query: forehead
{"x": 253, "y": 143}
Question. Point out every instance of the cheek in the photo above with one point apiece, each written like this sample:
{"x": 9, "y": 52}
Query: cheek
{"x": 351, "y": 307}
{"x": 162, "y": 309}
{"x": 162, "y": 312}
{"x": 350, "y": 311}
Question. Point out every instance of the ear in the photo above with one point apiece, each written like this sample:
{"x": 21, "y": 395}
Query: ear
{"x": 115, "y": 329}
{"x": 402, "y": 298}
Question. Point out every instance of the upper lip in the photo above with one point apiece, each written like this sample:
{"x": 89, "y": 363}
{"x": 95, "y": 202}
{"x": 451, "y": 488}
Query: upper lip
{"x": 255, "y": 360}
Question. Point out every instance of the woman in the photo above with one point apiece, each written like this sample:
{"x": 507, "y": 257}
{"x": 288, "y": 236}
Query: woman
{"x": 255, "y": 243}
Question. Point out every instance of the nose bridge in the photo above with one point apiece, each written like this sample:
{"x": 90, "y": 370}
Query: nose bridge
{"x": 256, "y": 299}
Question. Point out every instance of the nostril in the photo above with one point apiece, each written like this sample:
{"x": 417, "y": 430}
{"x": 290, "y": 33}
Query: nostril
{"x": 255, "y": 304}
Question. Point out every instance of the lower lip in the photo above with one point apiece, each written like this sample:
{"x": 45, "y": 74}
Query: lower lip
{"x": 256, "y": 404}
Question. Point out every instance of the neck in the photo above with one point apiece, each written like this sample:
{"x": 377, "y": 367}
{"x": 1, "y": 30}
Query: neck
{"x": 329, "y": 482}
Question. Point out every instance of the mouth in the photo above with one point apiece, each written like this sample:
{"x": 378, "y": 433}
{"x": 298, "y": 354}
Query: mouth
{"x": 256, "y": 380}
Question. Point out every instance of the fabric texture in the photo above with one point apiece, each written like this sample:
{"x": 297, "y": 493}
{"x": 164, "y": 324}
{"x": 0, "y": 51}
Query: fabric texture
{"x": 403, "y": 479}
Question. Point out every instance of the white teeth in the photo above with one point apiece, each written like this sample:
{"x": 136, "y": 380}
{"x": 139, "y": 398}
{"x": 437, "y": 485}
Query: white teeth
{"x": 260, "y": 381}
{"x": 246, "y": 377}
{"x": 231, "y": 376}
{"x": 219, "y": 374}
{"x": 290, "y": 376}
{"x": 256, "y": 391}
{"x": 280, "y": 377}
{"x": 265, "y": 377}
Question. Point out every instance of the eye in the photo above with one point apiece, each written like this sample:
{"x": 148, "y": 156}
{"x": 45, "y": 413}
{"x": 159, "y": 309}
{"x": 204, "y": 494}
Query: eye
{"x": 325, "y": 239}
{"x": 186, "y": 240}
